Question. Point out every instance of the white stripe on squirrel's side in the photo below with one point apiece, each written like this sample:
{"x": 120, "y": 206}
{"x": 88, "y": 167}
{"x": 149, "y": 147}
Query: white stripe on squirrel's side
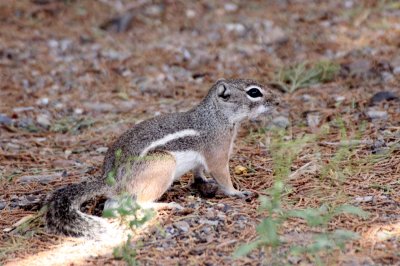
{"x": 168, "y": 138}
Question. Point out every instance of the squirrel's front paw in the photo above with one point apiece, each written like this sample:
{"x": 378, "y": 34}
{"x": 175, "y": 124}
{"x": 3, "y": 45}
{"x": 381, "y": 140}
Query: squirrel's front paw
{"x": 240, "y": 194}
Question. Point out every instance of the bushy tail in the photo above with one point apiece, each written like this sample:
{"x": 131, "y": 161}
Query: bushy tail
{"x": 64, "y": 215}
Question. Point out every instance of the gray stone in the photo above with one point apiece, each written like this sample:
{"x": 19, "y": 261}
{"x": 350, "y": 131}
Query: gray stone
{"x": 99, "y": 107}
{"x": 23, "y": 109}
{"x": 25, "y": 123}
{"x": 387, "y": 77}
{"x": 374, "y": 114}
{"x": 383, "y": 96}
{"x": 281, "y": 122}
{"x": 307, "y": 98}
{"x": 182, "y": 225}
{"x": 102, "y": 149}
{"x": 13, "y": 146}
{"x": 43, "y": 179}
{"x": 5, "y": 120}
{"x": 313, "y": 119}
{"x": 43, "y": 120}
{"x": 237, "y": 28}
{"x": 231, "y": 7}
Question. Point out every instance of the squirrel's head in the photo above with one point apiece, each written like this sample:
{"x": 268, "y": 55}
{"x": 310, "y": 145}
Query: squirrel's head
{"x": 241, "y": 99}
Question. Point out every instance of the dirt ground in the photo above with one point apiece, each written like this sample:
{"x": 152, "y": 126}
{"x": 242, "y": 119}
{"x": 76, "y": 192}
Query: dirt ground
{"x": 74, "y": 75}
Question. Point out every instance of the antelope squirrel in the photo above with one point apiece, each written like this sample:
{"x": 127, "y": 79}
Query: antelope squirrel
{"x": 146, "y": 159}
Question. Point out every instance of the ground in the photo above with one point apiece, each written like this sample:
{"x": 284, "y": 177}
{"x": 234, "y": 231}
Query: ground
{"x": 74, "y": 75}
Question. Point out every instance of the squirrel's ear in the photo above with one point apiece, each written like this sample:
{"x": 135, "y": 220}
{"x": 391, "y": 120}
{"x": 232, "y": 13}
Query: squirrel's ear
{"x": 223, "y": 91}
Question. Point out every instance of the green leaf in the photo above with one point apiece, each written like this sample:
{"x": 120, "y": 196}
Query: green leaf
{"x": 344, "y": 234}
{"x": 110, "y": 180}
{"x": 109, "y": 213}
{"x": 349, "y": 209}
{"x": 245, "y": 249}
{"x": 268, "y": 231}
{"x": 313, "y": 217}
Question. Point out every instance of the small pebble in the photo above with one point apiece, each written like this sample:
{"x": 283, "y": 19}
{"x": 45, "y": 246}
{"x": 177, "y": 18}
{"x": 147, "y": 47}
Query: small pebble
{"x": 102, "y": 150}
{"x": 373, "y": 114}
{"x": 5, "y": 120}
{"x": 182, "y": 225}
{"x": 43, "y": 179}
{"x": 43, "y": 120}
{"x": 383, "y": 96}
{"x": 280, "y": 122}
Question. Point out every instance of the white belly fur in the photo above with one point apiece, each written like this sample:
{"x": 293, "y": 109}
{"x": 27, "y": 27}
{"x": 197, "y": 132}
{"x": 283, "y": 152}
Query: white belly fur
{"x": 187, "y": 161}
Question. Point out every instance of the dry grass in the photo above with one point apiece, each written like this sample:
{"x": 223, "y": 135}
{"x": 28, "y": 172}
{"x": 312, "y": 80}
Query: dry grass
{"x": 30, "y": 72}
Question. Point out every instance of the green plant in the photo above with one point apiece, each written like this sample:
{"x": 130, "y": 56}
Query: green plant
{"x": 70, "y": 124}
{"x": 289, "y": 79}
{"x": 269, "y": 230}
{"x": 126, "y": 252}
{"x": 128, "y": 211}
{"x": 131, "y": 214}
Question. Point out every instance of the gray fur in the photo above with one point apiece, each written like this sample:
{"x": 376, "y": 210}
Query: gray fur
{"x": 216, "y": 119}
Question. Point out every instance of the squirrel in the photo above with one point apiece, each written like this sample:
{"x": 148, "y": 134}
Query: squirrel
{"x": 147, "y": 158}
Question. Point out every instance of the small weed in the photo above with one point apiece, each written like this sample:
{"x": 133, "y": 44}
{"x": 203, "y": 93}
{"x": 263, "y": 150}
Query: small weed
{"x": 269, "y": 230}
{"x": 70, "y": 124}
{"x": 130, "y": 213}
{"x": 127, "y": 252}
{"x": 302, "y": 75}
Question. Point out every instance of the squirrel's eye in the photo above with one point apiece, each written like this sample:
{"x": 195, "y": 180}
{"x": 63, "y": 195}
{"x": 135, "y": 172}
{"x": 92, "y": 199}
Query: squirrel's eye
{"x": 254, "y": 93}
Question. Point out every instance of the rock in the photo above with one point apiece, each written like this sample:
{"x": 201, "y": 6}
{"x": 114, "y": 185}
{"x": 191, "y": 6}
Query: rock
{"x": 5, "y": 120}
{"x": 43, "y": 120}
{"x": 99, "y": 107}
{"x": 237, "y": 28}
{"x": 63, "y": 163}
{"x": 114, "y": 55}
{"x": 231, "y": 7}
{"x": 374, "y": 114}
{"x": 25, "y": 123}
{"x": 2, "y": 205}
{"x": 176, "y": 73}
{"x": 396, "y": 70}
{"x": 182, "y": 225}
{"x": 209, "y": 222}
{"x": 42, "y": 101}
{"x": 196, "y": 251}
{"x": 360, "y": 67}
{"x": 313, "y": 119}
{"x": 102, "y": 150}
{"x": 220, "y": 206}
{"x": 281, "y": 122}
{"x": 150, "y": 84}
{"x": 78, "y": 111}
{"x": 339, "y": 98}
{"x": 190, "y": 13}
{"x": 23, "y": 109}
{"x": 154, "y": 10}
{"x": 13, "y": 146}
{"x": 118, "y": 24}
{"x": 307, "y": 98}
{"x": 126, "y": 106}
{"x": 271, "y": 33}
{"x": 387, "y": 77}
{"x": 43, "y": 179}
{"x": 383, "y": 96}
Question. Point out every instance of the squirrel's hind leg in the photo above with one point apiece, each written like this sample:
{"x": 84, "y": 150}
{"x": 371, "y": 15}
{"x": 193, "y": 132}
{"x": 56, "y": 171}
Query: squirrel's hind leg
{"x": 153, "y": 176}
